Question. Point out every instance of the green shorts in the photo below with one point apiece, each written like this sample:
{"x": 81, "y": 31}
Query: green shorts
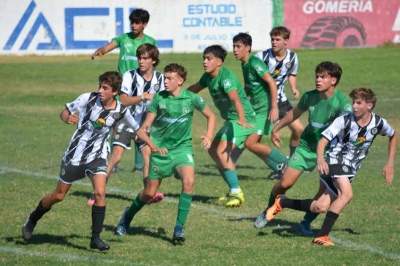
{"x": 234, "y": 133}
{"x": 162, "y": 166}
{"x": 303, "y": 160}
{"x": 263, "y": 125}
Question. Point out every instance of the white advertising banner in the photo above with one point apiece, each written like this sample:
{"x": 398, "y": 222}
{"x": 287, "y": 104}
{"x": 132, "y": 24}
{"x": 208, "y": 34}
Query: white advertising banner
{"x": 66, "y": 27}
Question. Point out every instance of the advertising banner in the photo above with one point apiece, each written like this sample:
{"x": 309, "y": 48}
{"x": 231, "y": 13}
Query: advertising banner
{"x": 79, "y": 27}
{"x": 342, "y": 23}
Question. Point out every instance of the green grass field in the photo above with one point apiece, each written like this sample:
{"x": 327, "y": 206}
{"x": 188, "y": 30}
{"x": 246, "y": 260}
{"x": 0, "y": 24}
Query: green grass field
{"x": 33, "y": 139}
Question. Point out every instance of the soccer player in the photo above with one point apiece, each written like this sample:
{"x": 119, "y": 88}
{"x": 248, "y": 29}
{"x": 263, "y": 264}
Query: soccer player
{"x": 323, "y": 104}
{"x": 169, "y": 117}
{"x": 230, "y": 98}
{"x": 350, "y": 137}
{"x": 262, "y": 89}
{"x": 128, "y": 60}
{"x": 283, "y": 64}
{"x": 138, "y": 88}
{"x": 96, "y": 113}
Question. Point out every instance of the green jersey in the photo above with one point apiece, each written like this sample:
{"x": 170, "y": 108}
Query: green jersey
{"x": 219, "y": 88}
{"x": 172, "y": 127}
{"x": 128, "y": 45}
{"x": 258, "y": 90}
{"x": 321, "y": 113}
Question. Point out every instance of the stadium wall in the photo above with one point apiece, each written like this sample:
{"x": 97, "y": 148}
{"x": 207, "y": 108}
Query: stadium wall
{"x": 67, "y": 27}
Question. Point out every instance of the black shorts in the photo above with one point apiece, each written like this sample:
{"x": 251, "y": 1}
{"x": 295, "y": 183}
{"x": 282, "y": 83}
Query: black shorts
{"x": 283, "y": 108}
{"x": 71, "y": 173}
{"x": 124, "y": 137}
{"x": 337, "y": 171}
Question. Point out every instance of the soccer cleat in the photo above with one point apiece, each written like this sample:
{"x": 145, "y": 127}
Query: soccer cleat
{"x": 224, "y": 197}
{"x": 305, "y": 229}
{"x": 90, "y": 201}
{"x": 157, "y": 198}
{"x": 274, "y": 209}
{"x": 235, "y": 199}
{"x": 261, "y": 222}
{"x": 178, "y": 237}
{"x": 323, "y": 241}
{"x": 27, "y": 228}
{"x": 138, "y": 170}
{"x": 115, "y": 169}
{"x": 274, "y": 175}
{"x": 97, "y": 243}
{"x": 122, "y": 226}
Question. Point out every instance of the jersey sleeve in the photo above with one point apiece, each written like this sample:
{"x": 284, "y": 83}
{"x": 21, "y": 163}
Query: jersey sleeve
{"x": 153, "y": 104}
{"x": 117, "y": 40}
{"x": 198, "y": 102}
{"x": 346, "y": 106}
{"x": 386, "y": 130}
{"x": 130, "y": 121}
{"x": 259, "y": 55}
{"x": 333, "y": 130}
{"x": 259, "y": 67}
{"x": 303, "y": 105}
{"x": 79, "y": 103}
{"x": 126, "y": 86}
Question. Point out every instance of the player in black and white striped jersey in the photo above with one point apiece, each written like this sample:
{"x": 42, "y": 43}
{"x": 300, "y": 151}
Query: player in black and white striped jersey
{"x": 96, "y": 114}
{"x": 283, "y": 64}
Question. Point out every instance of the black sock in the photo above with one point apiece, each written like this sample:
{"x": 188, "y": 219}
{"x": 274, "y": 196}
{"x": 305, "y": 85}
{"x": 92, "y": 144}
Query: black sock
{"x": 98, "y": 215}
{"x": 329, "y": 221}
{"x": 299, "y": 205}
{"x": 38, "y": 213}
{"x": 292, "y": 149}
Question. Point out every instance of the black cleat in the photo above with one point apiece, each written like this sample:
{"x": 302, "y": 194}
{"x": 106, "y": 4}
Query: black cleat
{"x": 27, "y": 228}
{"x": 99, "y": 244}
{"x": 178, "y": 237}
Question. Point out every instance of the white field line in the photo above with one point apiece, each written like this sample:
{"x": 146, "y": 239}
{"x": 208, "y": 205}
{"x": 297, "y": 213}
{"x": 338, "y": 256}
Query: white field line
{"x": 4, "y": 170}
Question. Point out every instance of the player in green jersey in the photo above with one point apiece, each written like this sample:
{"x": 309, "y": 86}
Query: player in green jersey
{"x": 323, "y": 104}
{"x": 262, "y": 89}
{"x": 128, "y": 44}
{"x": 169, "y": 117}
{"x": 230, "y": 98}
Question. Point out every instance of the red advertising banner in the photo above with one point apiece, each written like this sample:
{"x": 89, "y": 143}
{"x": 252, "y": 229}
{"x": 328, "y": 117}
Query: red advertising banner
{"x": 342, "y": 23}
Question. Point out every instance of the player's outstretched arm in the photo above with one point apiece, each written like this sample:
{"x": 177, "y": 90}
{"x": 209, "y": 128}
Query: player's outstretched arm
{"x": 388, "y": 169}
{"x": 196, "y": 88}
{"x": 234, "y": 98}
{"x": 104, "y": 49}
{"x": 211, "y": 120}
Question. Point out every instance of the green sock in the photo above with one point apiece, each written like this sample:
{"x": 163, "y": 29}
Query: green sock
{"x": 310, "y": 216}
{"x": 138, "y": 158}
{"x": 274, "y": 159}
{"x": 231, "y": 178}
{"x": 135, "y": 207}
{"x": 183, "y": 208}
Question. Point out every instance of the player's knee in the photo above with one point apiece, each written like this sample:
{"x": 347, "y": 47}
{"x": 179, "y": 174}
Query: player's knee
{"x": 58, "y": 197}
{"x": 321, "y": 208}
{"x": 100, "y": 194}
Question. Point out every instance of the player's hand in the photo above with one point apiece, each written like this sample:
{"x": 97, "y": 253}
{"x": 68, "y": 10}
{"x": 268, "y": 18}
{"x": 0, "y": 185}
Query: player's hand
{"x": 162, "y": 151}
{"x": 276, "y": 139}
{"x": 244, "y": 124}
{"x": 206, "y": 142}
{"x": 73, "y": 118}
{"x": 296, "y": 94}
{"x": 97, "y": 53}
{"x": 323, "y": 167}
{"x": 388, "y": 173}
{"x": 273, "y": 115}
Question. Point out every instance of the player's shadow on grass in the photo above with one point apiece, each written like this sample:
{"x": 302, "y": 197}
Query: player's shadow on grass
{"x": 38, "y": 239}
{"x": 158, "y": 232}
{"x": 108, "y": 195}
{"x": 196, "y": 198}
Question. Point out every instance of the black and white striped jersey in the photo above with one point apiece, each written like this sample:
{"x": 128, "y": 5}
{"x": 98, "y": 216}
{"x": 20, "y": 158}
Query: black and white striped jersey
{"x": 95, "y": 123}
{"x": 280, "y": 70}
{"x": 133, "y": 84}
{"x": 350, "y": 143}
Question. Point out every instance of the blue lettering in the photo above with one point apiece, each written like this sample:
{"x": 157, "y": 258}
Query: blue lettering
{"x": 212, "y": 22}
{"x": 70, "y": 14}
{"x": 211, "y": 9}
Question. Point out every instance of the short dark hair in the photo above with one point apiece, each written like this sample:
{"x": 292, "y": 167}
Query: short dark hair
{"x": 176, "y": 68}
{"x": 139, "y": 16}
{"x": 151, "y": 50}
{"x": 333, "y": 69}
{"x": 244, "y": 38}
{"x": 217, "y": 51}
{"x": 365, "y": 94}
{"x": 112, "y": 78}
